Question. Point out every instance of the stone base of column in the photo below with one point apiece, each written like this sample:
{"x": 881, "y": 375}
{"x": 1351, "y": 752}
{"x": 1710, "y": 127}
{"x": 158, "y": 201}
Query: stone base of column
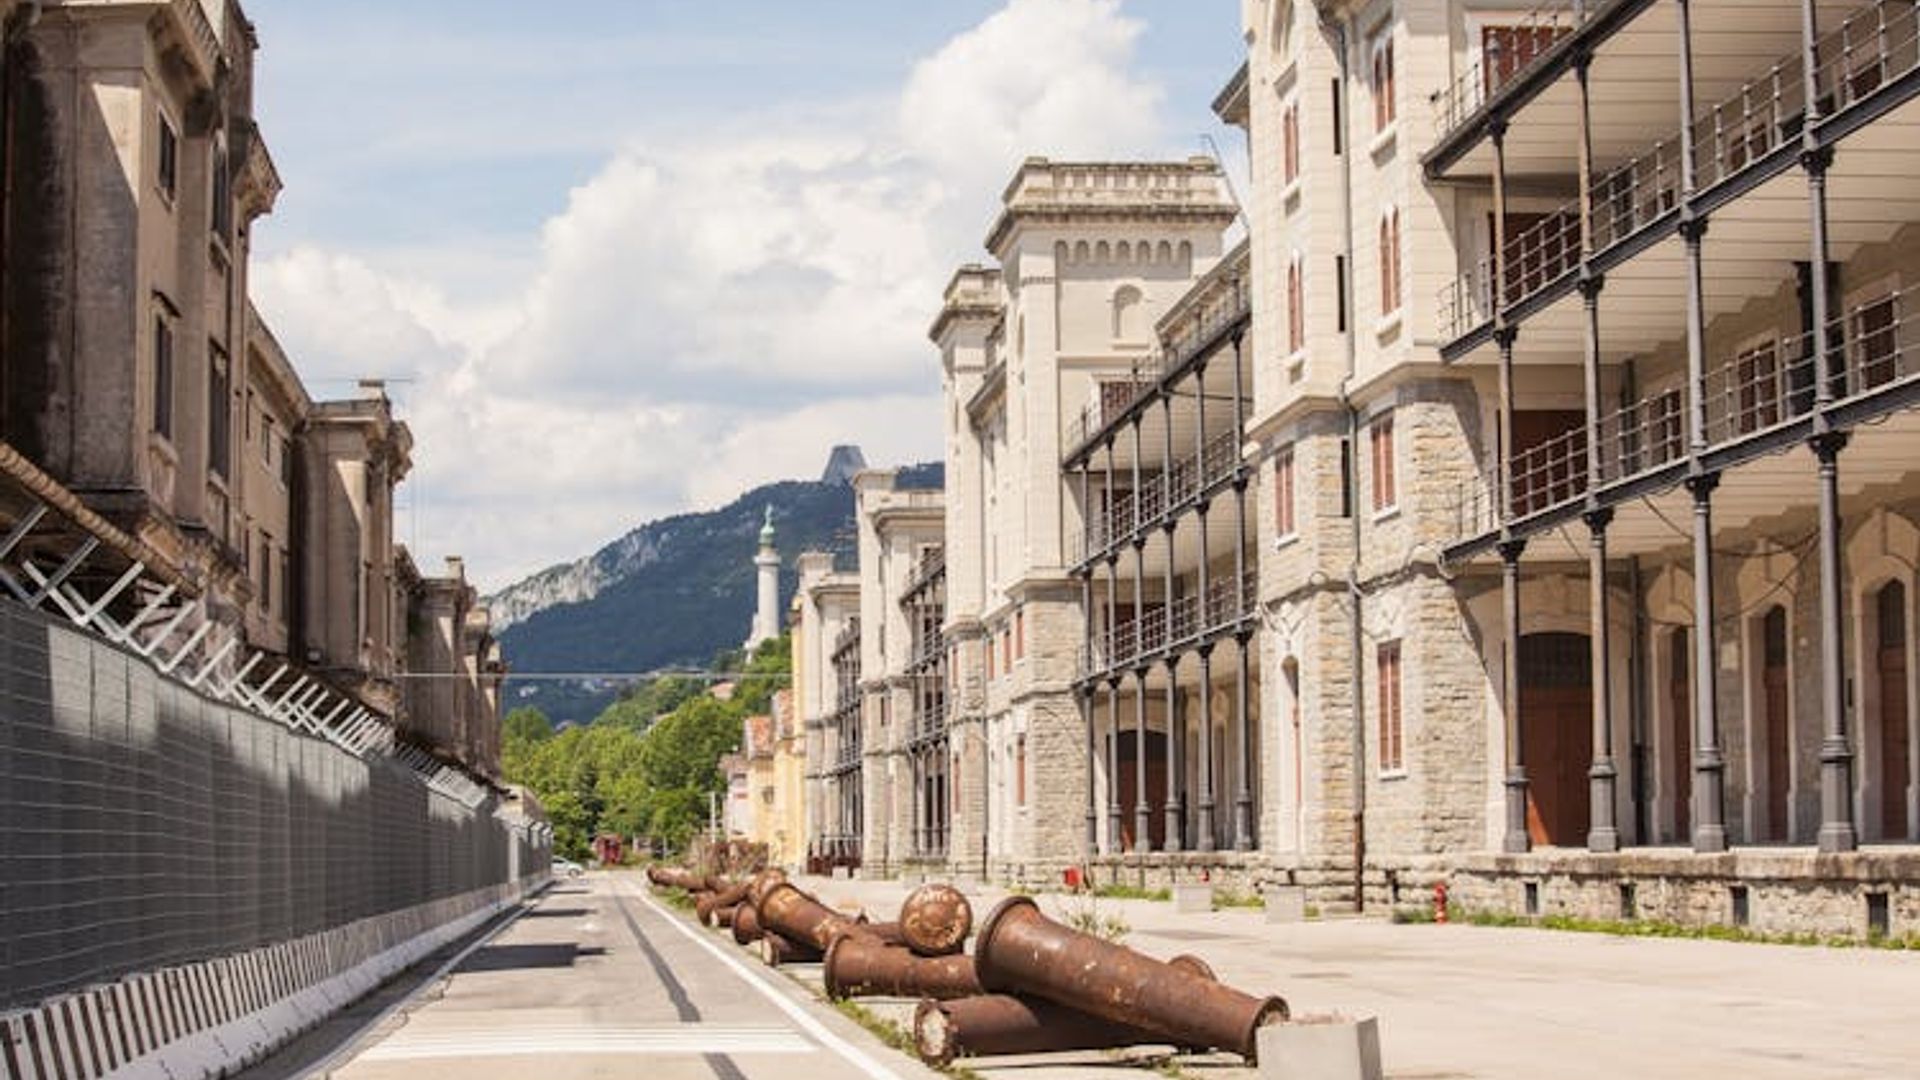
{"x": 1517, "y": 841}
{"x": 1837, "y": 837}
{"x": 1709, "y": 839}
{"x": 1174, "y": 822}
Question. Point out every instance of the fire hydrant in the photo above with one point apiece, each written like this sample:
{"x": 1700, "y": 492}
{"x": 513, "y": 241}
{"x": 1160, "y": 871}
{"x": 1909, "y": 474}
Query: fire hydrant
{"x": 1440, "y": 902}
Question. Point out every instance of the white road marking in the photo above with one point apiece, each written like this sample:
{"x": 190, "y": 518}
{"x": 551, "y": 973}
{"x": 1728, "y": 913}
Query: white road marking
{"x": 854, "y": 1056}
{"x": 693, "y": 1038}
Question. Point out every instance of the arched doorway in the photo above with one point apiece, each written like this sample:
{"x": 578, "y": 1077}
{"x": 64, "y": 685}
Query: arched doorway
{"x": 1556, "y": 726}
{"x": 1679, "y": 748}
{"x": 1890, "y": 664}
{"x": 1775, "y": 722}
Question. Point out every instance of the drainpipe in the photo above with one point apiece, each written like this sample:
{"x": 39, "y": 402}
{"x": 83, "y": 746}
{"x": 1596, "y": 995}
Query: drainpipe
{"x": 1340, "y": 30}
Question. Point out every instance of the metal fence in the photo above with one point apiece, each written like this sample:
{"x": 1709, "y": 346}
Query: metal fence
{"x": 144, "y": 824}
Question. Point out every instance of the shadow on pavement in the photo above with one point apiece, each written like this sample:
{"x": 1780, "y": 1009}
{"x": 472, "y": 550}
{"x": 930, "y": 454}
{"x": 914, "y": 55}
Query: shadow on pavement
{"x": 526, "y": 957}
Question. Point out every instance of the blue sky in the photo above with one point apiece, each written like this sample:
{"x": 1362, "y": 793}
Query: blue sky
{"x": 634, "y": 257}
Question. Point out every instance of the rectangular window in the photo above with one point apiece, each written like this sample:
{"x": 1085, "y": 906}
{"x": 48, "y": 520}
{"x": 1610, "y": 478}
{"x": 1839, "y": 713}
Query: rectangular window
{"x": 286, "y": 463}
{"x": 1339, "y": 125}
{"x": 1006, "y": 650}
{"x": 1340, "y": 292}
{"x": 267, "y": 441}
{"x": 1283, "y": 523}
{"x": 162, "y": 376}
{"x": 1392, "y": 744}
{"x": 222, "y": 216}
{"x": 1020, "y": 769}
{"x": 286, "y": 585}
{"x": 1757, "y": 372}
{"x": 1390, "y": 261}
{"x": 1347, "y": 495}
{"x": 1020, "y": 634}
{"x": 1875, "y": 329}
{"x": 1380, "y": 439}
{"x": 1296, "y": 308}
{"x": 266, "y": 573}
{"x": 168, "y": 175}
{"x": 219, "y": 413}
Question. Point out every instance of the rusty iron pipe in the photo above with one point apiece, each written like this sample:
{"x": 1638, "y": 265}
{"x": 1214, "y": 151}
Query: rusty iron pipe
{"x": 746, "y": 925}
{"x": 936, "y": 919}
{"x": 860, "y": 966}
{"x": 723, "y": 917}
{"x": 762, "y": 882}
{"x": 786, "y": 910}
{"x": 886, "y": 933}
{"x": 1021, "y": 951}
{"x": 776, "y": 950}
{"x": 994, "y": 1024}
{"x": 676, "y": 877}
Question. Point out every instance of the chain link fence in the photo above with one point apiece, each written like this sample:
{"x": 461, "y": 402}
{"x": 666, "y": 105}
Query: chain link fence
{"x": 144, "y": 824}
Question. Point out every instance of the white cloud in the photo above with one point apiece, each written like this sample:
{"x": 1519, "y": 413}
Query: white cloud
{"x": 712, "y": 313}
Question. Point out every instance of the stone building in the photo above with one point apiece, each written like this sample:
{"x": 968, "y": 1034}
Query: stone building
{"x": 1038, "y": 354}
{"x": 905, "y": 766}
{"x": 826, "y": 683}
{"x": 136, "y": 374}
{"x": 453, "y": 667}
{"x": 1579, "y": 399}
{"x": 784, "y": 825}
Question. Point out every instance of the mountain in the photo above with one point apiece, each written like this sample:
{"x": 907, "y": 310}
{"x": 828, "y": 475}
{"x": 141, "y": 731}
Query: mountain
{"x": 672, "y": 592}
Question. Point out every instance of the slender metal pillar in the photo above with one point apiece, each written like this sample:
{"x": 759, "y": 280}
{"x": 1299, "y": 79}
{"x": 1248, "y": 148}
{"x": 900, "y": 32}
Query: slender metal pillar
{"x": 1206, "y": 840}
{"x": 1516, "y": 840}
{"x": 1837, "y": 829}
{"x": 1142, "y": 811}
{"x": 1175, "y": 744}
{"x": 1603, "y": 831}
{"x": 1113, "y": 766}
{"x": 1709, "y": 761}
{"x": 1086, "y": 691}
{"x": 1243, "y": 834}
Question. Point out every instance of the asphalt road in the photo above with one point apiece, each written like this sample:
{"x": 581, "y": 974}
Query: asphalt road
{"x": 597, "y": 980}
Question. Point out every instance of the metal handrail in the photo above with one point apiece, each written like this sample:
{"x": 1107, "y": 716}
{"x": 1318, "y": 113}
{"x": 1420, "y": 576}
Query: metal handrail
{"x": 1161, "y": 497}
{"x": 1464, "y": 96}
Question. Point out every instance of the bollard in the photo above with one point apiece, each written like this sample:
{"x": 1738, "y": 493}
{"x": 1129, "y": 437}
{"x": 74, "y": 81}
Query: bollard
{"x": 935, "y": 920}
{"x": 859, "y": 966}
{"x": 1019, "y": 950}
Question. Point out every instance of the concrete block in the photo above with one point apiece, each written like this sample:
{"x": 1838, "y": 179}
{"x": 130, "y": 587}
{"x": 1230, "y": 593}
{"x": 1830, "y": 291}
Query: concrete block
{"x": 841, "y": 873}
{"x": 1324, "y": 1047}
{"x": 1285, "y": 903}
{"x": 1192, "y": 899}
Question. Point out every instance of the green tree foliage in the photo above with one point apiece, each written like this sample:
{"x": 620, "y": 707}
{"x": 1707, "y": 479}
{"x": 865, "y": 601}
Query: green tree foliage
{"x": 647, "y": 765}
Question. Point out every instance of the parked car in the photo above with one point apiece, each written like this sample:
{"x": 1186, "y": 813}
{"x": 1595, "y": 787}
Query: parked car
{"x": 567, "y": 868}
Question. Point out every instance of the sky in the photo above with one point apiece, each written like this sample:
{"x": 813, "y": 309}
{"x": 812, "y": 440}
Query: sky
{"x": 620, "y": 259}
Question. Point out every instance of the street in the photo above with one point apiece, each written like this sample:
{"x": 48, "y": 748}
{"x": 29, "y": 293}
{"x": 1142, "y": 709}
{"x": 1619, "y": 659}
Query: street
{"x": 597, "y": 980}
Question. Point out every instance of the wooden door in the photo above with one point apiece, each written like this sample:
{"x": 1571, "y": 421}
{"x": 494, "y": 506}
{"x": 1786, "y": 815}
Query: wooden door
{"x": 1779, "y": 737}
{"x": 1556, "y": 723}
{"x": 1543, "y": 476}
{"x": 1507, "y": 50}
{"x": 1679, "y": 754}
{"x": 1156, "y": 788}
{"x": 1895, "y": 772}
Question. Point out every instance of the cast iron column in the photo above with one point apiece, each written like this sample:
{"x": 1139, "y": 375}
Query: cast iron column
{"x": 1086, "y": 690}
{"x": 1517, "y": 840}
{"x": 1837, "y": 831}
{"x": 1142, "y": 812}
{"x": 1603, "y": 830}
{"x": 1205, "y": 841}
{"x": 1243, "y": 780}
{"x": 1175, "y": 736}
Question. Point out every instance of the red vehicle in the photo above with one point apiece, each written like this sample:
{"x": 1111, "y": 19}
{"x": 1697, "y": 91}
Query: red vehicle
{"x": 608, "y": 849}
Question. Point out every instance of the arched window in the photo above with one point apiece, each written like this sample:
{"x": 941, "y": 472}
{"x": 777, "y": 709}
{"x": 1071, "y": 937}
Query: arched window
{"x": 1290, "y": 142}
{"x": 1390, "y": 290}
{"x": 1129, "y": 315}
{"x": 1296, "y": 308}
{"x": 1383, "y": 95}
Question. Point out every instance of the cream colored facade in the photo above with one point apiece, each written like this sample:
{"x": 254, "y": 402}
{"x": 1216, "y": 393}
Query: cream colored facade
{"x": 1570, "y": 365}
{"x": 904, "y": 758}
{"x": 1090, "y": 259}
{"x": 784, "y": 823}
{"x": 826, "y": 665}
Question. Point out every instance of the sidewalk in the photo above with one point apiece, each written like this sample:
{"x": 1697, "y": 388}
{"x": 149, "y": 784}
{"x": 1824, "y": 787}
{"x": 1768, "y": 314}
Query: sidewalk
{"x": 1463, "y": 1001}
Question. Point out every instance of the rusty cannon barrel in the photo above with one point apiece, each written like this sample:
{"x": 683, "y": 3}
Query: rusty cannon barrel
{"x": 861, "y": 966}
{"x": 762, "y": 882}
{"x": 676, "y": 877}
{"x": 723, "y": 917}
{"x": 800, "y": 918}
{"x": 886, "y": 933}
{"x": 995, "y": 1024}
{"x": 746, "y": 924}
{"x": 1021, "y": 951}
{"x": 776, "y": 950}
{"x": 935, "y": 920}
{"x": 709, "y": 905}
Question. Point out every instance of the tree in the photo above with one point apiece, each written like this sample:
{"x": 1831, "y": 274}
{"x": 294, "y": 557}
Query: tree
{"x": 526, "y": 725}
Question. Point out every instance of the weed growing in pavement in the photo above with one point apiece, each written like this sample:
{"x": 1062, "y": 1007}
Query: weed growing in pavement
{"x": 1117, "y": 891}
{"x": 1654, "y": 928}
{"x": 1083, "y": 914}
{"x": 1234, "y": 898}
{"x": 679, "y": 898}
{"x": 894, "y": 1035}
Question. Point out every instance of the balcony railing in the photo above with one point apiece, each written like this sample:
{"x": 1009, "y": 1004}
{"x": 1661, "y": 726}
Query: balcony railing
{"x": 1760, "y": 388}
{"x": 1867, "y": 50}
{"x": 928, "y": 569}
{"x": 1507, "y": 52}
{"x": 1164, "y": 495}
{"x": 1227, "y": 604}
{"x": 1191, "y": 336}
